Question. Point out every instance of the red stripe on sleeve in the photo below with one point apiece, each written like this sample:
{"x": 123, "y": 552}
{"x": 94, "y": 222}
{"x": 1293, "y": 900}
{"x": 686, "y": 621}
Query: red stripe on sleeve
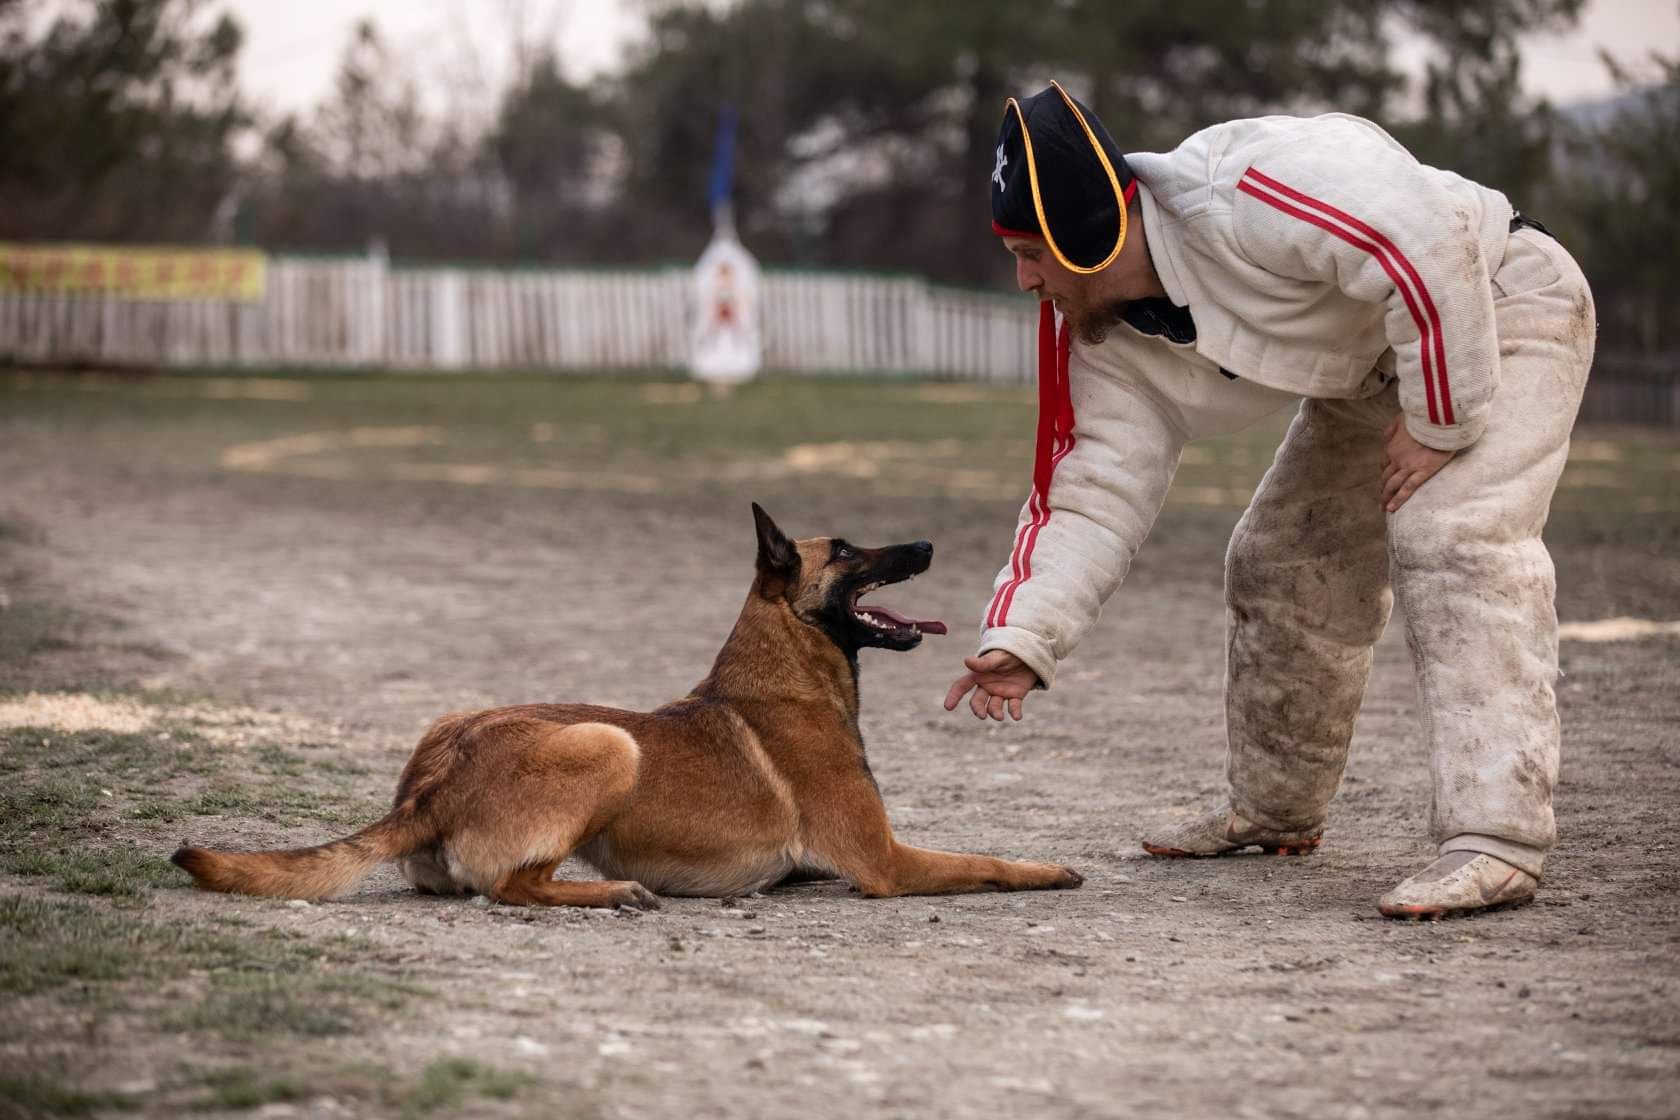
{"x": 1435, "y": 333}
{"x": 1427, "y": 335}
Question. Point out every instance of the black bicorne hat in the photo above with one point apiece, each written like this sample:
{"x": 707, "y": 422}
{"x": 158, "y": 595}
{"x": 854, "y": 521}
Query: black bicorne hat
{"x": 1060, "y": 176}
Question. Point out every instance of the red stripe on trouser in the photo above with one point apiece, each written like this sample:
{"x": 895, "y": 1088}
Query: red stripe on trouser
{"x": 1425, "y": 334}
{"x": 1429, "y": 326}
{"x": 1055, "y": 440}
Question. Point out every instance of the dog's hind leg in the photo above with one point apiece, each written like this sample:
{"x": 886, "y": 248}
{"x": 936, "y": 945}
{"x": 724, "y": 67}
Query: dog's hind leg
{"x": 555, "y": 788}
{"x": 536, "y": 886}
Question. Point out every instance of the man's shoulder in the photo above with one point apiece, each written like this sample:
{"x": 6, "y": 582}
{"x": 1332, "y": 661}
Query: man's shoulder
{"x": 1195, "y": 176}
{"x": 1218, "y": 144}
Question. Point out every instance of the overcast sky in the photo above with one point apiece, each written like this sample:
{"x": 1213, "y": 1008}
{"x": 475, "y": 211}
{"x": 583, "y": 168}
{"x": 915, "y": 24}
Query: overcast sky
{"x": 462, "y": 47}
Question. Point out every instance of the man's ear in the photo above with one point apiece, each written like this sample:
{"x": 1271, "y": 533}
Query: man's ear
{"x": 778, "y": 560}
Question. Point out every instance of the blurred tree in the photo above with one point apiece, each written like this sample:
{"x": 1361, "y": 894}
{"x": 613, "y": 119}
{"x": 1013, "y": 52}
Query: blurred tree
{"x": 865, "y": 138}
{"x": 553, "y": 144}
{"x": 117, "y": 122}
{"x": 371, "y": 166}
{"x": 867, "y": 125}
{"x": 1476, "y": 118}
{"x": 1618, "y": 202}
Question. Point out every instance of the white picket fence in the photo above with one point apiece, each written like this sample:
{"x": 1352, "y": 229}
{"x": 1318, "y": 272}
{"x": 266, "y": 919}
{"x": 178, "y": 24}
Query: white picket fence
{"x": 359, "y": 312}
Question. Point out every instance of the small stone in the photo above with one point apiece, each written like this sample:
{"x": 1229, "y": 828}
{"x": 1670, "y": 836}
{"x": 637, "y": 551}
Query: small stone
{"x": 299, "y": 904}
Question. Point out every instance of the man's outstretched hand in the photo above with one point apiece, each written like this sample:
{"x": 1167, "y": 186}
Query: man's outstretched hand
{"x": 1000, "y": 681}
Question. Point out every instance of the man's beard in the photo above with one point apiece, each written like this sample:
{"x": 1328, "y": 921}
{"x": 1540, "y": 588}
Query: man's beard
{"x": 1090, "y": 325}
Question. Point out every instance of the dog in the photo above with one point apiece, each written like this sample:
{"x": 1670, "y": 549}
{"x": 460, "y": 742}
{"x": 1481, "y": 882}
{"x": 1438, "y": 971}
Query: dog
{"x": 757, "y": 777}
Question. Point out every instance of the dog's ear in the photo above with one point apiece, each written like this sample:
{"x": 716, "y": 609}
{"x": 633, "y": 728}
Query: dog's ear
{"x": 778, "y": 560}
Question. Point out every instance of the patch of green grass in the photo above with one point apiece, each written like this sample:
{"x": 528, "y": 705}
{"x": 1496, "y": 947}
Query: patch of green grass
{"x": 47, "y": 803}
{"x": 260, "y": 982}
{"x": 296, "y": 806}
{"x": 111, "y": 754}
{"x": 42, "y": 1096}
{"x": 277, "y": 760}
{"x": 121, "y": 871}
{"x": 253, "y": 1005}
{"x": 244, "y": 1088}
{"x": 162, "y": 812}
{"x": 46, "y": 944}
{"x": 445, "y": 1083}
{"x": 223, "y": 801}
{"x": 246, "y": 1006}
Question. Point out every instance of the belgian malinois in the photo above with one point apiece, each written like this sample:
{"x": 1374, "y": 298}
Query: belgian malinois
{"x": 757, "y": 777}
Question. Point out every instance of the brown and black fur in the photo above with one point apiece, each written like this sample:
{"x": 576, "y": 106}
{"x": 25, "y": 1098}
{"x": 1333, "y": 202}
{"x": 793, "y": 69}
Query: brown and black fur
{"x": 756, "y": 777}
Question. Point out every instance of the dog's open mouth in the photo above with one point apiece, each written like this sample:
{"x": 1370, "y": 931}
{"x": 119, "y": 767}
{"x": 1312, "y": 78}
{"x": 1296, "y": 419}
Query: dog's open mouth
{"x": 890, "y": 623}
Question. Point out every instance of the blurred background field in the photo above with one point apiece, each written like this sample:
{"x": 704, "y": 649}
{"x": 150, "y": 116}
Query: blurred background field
{"x": 522, "y": 185}
{"x": 892, "y": 438}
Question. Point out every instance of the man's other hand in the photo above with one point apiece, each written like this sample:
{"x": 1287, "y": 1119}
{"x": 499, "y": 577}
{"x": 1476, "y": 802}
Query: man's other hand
{"x": 1000, "y": 681}
{"x": 1407, "y": 464}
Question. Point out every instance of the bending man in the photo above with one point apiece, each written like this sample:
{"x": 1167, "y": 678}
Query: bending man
{"x": 1437, "y": 343}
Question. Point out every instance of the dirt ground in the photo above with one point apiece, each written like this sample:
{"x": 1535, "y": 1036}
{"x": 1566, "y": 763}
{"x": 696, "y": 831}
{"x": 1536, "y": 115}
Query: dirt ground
{"x": 330, "y": 611}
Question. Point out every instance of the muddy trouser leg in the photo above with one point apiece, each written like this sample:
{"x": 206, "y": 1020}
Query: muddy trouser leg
{"x": 1307, "y": 591}
{"x": 1476, "y": 584}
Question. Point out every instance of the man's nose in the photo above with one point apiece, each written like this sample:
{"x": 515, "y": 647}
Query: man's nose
{"x": 1026, "y": 276}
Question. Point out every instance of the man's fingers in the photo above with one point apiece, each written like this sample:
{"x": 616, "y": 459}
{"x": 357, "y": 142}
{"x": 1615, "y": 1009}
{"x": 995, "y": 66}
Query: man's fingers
{"x": 1413, "y": 481}
{"x": 977, "y": 702}
{"x": 958, "y": 689}
{"x": 1392, "y": 484}
{"x": 1015, "y": 708}
{"x": 995, "y": 708}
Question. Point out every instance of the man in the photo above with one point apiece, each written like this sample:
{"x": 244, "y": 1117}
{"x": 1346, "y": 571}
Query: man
{"x": 1440, "y": 342}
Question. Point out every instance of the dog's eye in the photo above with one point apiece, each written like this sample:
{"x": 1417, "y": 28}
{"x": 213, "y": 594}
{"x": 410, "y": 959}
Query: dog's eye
{"x": 841, "y": 552}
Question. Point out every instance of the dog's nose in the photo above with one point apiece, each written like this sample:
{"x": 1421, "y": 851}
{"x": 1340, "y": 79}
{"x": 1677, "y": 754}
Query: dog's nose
{"x": 924, "y": 547}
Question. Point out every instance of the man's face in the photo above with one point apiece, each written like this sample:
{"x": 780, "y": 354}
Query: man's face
{"x": 1038, "y": 271}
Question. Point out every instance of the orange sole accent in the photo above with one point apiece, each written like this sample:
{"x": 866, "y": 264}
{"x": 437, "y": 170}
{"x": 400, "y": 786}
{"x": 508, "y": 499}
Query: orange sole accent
{"x": 1294, "y": 848}
{"x": 1435, "y": 914}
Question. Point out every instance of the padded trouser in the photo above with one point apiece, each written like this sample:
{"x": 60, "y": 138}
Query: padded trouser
{"x": 1315, "y": 565}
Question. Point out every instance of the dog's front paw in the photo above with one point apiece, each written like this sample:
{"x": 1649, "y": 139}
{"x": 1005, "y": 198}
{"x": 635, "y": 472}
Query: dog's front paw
{"x": 633, "y": 895}
{"x": 1068, "y": 879}
{"x": 1053, "y": 877}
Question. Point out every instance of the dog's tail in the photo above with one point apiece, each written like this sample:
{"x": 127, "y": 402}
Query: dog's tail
{"x": 318, "y": 872}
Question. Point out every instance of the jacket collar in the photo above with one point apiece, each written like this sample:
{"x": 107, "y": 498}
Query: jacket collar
{"x": 1165, "y": 251}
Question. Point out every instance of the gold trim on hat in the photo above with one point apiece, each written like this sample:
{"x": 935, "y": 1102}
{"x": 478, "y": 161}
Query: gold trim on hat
{"x": 1038, "y": 199}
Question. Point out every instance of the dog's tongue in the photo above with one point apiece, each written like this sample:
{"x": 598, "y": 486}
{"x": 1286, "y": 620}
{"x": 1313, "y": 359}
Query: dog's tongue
{"x": 931, "y": 626}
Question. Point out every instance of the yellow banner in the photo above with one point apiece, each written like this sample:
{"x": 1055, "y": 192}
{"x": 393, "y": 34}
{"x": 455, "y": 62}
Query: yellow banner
{"x": 142, "y": 272}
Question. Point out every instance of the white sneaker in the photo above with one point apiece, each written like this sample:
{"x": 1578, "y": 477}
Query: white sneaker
{"x": 1458, "y": 883}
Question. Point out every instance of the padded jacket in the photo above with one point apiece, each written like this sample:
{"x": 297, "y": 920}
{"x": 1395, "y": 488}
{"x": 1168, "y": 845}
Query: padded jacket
{"x": 1317, "y": 258}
